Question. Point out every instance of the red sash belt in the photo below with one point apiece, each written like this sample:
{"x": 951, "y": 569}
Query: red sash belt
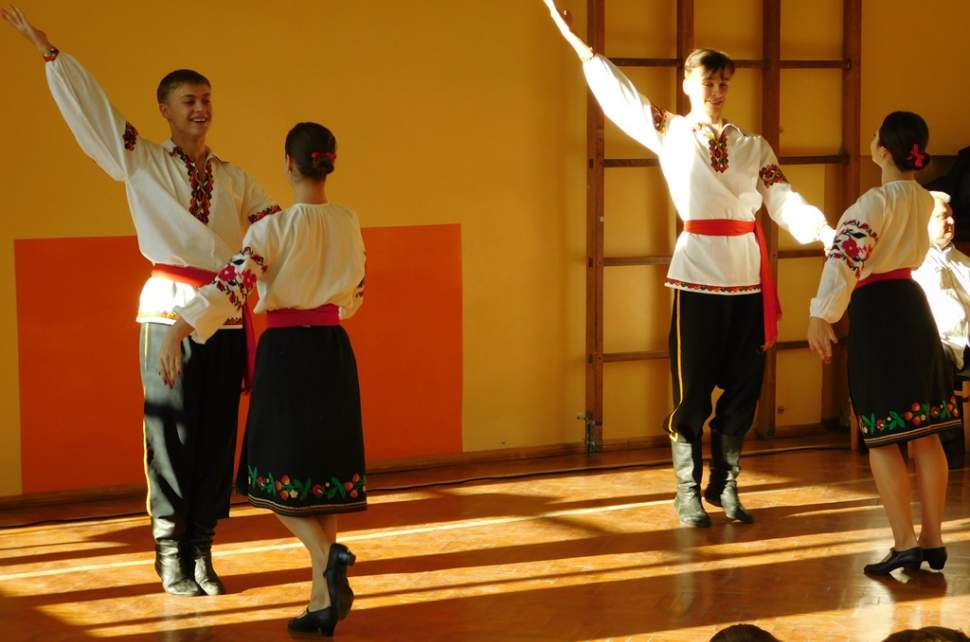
{"x": 197, "y": 278}
{"x": 327, "y": 314}
{"x": 896, "y": 275}
{"x": 771, "y": 306}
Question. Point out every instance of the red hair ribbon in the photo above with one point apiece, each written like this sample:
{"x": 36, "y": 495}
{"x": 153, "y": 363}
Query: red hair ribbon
{"x": 916, "y": 156}
{"x": 330, "y": 156}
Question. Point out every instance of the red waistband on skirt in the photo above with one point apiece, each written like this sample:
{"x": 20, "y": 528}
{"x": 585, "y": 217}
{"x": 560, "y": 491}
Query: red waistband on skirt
{"x": 901, "y": 274}
{"x": 327, "y": 314}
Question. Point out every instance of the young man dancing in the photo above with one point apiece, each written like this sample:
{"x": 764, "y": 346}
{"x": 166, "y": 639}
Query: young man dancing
{"x": 725, "y": 309}
{"x": 190, "y": 210}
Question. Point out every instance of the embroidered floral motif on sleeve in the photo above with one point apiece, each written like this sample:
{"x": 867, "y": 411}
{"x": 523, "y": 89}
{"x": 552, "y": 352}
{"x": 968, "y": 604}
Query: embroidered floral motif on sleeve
{"x": 771, "y": 175}
{"x": 236, "y": 279}
{"x": 660, "y": 118}
{"x": 201, "y": 184}
{"x": 260, "y": 215}
{"x": 853, "y": 244}
{"x": 130, "y": 136}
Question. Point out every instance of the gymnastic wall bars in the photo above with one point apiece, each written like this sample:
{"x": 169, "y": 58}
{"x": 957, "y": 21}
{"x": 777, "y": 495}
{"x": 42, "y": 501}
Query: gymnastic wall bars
{"x": 834, "y": 380}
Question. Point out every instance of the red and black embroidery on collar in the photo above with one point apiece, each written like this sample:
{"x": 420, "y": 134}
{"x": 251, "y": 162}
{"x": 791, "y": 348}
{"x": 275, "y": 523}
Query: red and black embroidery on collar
{"x": 260, "y": 215}
{"x": 771, "y": 175}
{"x": 130, "y": 136}
{"x": 201, "y": 184}
{"x": 719, "y": 150}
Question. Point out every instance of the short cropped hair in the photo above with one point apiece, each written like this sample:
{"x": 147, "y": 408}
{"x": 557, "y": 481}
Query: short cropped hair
{"x": 177, "y": 78}
{"x": 711, "y": 61}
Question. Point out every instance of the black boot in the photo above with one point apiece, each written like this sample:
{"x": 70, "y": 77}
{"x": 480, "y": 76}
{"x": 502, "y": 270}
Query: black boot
{"x": 171, "y": 568}
{"x": 688, "y": 468}
{"x": 722, "y": 490}
{"x": 341, "y": 595}
{"x": 199, "y": 552}
{"x": 170, "y": 563}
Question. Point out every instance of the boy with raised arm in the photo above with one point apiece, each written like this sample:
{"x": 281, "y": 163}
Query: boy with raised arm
{"x": 191, "y": 210}
{"x": 725, "y": 309}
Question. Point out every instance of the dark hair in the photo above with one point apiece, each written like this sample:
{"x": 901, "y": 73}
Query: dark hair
{"x": 179, "y": 77}
{"x": 905, "y": 135}
{"x": 928, "y": 634}
{"x": 743, "y": 633}
{"x": 313, "y": 148}
{"x": 711, "y": 60}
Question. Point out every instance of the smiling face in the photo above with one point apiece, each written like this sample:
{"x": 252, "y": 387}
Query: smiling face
{"x": 188, "y": 110}
{"x": 708, "y": 91}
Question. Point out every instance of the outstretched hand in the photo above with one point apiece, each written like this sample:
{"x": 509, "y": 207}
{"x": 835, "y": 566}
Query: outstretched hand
{"x": 820, "y": 338}
{"x": 564, "y": 21}
{"x": 13, "y": 15}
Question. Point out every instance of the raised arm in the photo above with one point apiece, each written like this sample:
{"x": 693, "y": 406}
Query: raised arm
{"x": 616, "y": 94}
{"x": 16, "y": 19}
{"x": 100, "y": 130}
{"x": 563, "y": 21}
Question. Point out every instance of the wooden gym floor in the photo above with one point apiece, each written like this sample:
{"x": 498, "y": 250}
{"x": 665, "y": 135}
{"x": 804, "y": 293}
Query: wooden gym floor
{"x": 531, "y": 550}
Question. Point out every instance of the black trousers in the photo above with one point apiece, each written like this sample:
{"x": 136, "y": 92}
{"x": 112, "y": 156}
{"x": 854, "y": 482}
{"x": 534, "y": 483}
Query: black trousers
{"x": 190, "y": 432}
{"x": 715, "y": 341}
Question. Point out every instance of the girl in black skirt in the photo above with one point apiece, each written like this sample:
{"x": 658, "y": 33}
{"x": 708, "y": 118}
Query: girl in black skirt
{"x": 899, "y": 380}
{"x": 303, "y": 455}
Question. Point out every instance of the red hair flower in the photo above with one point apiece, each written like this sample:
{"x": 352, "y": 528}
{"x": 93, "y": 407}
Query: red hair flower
{"x": 916, "y": 156}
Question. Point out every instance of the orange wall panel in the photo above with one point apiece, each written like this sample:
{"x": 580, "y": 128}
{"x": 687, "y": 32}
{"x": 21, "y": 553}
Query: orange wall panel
{"x": 80, "y": 391}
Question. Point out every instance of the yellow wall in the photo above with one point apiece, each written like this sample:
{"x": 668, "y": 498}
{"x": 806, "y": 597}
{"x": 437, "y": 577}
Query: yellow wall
{"x": 446, "y": 112}
{"x": 455, "y": 112}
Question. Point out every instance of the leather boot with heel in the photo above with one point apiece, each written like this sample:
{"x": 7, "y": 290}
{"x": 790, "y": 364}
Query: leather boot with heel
{"x": 722, "y": 490}
{"x": 170, "y": 562}
{"x": 171, "y": 568}
{"x": 688, "y": 466}
{"x": 199, "y": 552}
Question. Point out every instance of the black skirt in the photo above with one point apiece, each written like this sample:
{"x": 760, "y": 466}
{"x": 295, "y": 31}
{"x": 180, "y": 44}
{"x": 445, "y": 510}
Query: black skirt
{"x": 900, "y": 381}
{"x": 303, "y": 451}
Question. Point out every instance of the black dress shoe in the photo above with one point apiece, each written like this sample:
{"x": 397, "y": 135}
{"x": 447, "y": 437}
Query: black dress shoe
{"x": 341, "y": 595}
{"x": 910, "y": 559}
{"x": 324, "y": 621}
{"x": 935, "y": 557}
